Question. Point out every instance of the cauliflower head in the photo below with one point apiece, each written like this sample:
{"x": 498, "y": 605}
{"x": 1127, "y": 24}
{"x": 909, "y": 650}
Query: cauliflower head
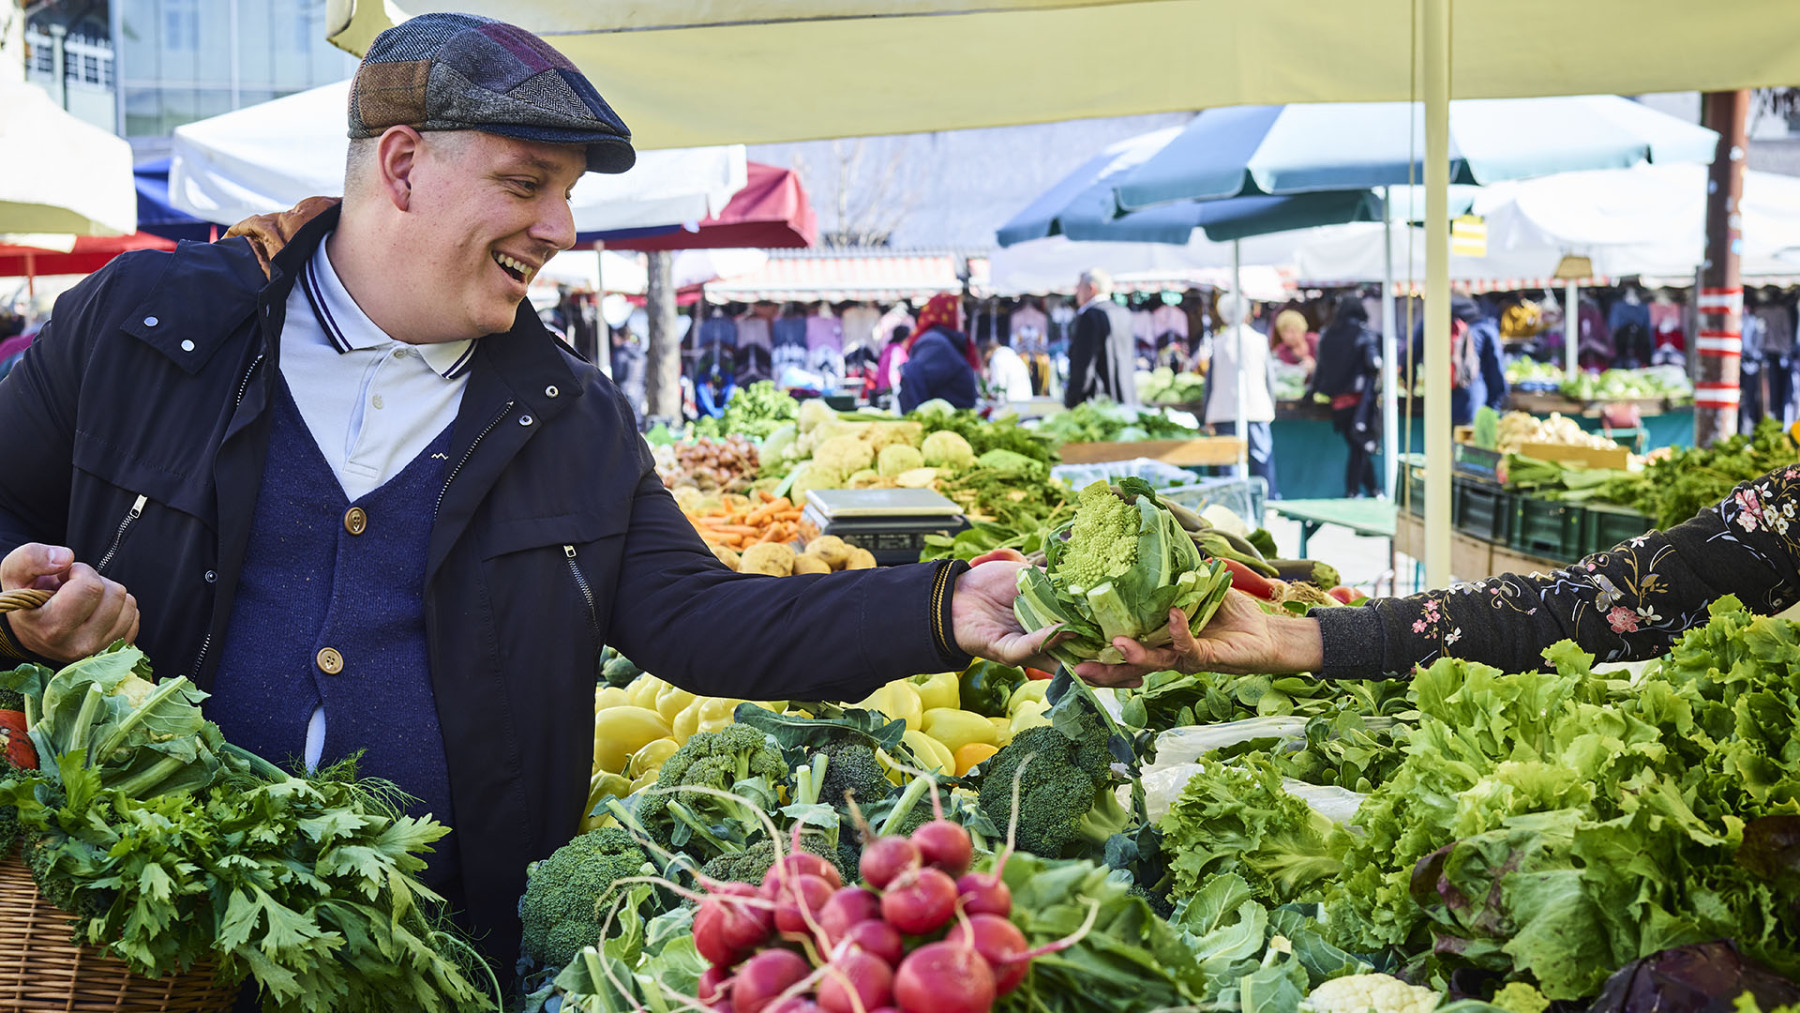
{"x": 1103, "y": 541}
{"x": 814, "y": 413}
{"x": 844, "y": 454}
{"x": 897, "y": 458}
{"x": 1370, "y": 993}
{"x": 945, "y": 449}
{"x": 813, "y": 475}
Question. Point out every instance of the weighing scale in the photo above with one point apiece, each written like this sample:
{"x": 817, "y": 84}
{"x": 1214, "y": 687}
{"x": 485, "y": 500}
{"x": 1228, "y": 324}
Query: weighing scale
{"x": 890, "y": 523}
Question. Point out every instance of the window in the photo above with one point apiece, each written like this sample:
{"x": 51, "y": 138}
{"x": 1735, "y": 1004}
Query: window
{"x": 181, "y": 25}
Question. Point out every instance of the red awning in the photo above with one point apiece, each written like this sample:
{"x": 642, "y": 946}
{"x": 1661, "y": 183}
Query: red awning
{"x": 846, "y": 278}
{"x": 91, "y": 253}
{"x": 770, "y": 212}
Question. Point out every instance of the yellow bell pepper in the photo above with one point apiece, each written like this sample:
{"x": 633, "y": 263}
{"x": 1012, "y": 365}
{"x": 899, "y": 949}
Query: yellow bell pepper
{"x": 601, "y": 785}
{"x": 671, "y": 699}
{"x": 643, "y": 690}
{"x": 1030, "y": 714}
{"x": 933, "y": 755}
{"x": 900, "y": 702}
{"x": 649, "y": 759}
{"x": 1033, "y": 690}
{"x": 717, "y": 712}
{"x": 968, "y": 756}
{"x": 644, "y": 781}
{"x": 621, "y": 731}
{"x": 938, "y": 690}
{"x": 688, "y": 721}
{"x": 611, "y": 696}
{"x": 957, "y": 728}
{"x": 1002, "y": 731}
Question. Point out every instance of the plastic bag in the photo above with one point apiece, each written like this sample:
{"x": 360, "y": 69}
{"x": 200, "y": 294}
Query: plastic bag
{"x": 1185, "y": 745}
{"x": 1164, "y": 785}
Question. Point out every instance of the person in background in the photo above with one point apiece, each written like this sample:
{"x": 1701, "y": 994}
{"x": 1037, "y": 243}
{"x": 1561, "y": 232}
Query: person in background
{"x": 1007, "y": 374}
{"x": 1478, "y": 376}
{"x": 940, "y": 359}
{"x": 1233, "y": 340}
{"x": 1102, "y": 349}
{"x": 1294, "y": 343}
{"x": 1348, "y": 368}
{"x": 893, "y": 359}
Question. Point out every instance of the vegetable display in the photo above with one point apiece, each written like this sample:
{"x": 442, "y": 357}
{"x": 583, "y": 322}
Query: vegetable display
{"x": 1103, "y": 421}
{"x": 1686, "y": 480}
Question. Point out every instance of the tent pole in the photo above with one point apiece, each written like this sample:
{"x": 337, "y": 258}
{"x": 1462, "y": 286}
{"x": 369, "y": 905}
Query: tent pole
{"x": 1436, "y": 47}
{"x": 1572, "y": 329}
{"x": 603, "y": 346}
{"x": 1390, "y": 353}
{"x": 1237, "y": 330}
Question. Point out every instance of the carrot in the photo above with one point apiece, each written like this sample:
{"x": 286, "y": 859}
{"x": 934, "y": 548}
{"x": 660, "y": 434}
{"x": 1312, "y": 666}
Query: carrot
{"x": 766, "y": 495}
{"x": 789, "y": 514}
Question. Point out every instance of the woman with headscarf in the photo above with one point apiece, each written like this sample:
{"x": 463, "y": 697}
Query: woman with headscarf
{"x": 940, "y": 359}
{"x": 1349, "y": 364}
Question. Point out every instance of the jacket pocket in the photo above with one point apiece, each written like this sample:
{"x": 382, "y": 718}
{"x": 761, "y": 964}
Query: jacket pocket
{"x": 585, "y": 589}
{"x": 125, "y": 526}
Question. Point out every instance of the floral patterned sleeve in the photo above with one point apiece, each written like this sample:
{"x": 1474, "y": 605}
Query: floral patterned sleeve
{"x": 1625, "y": 604}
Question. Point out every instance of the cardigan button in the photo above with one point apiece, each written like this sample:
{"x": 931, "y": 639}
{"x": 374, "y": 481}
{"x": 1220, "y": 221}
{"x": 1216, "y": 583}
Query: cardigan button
{"x": 330, "y": 661}
{"x": 356, "y": 521}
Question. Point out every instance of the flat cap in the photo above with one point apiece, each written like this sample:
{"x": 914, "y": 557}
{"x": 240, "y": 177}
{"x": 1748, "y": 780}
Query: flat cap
{"x": 464, "y": 72}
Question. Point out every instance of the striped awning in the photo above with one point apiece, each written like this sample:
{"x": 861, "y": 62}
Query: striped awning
{"x": 842, "y": 279}
{"x": 1468, "y": 286}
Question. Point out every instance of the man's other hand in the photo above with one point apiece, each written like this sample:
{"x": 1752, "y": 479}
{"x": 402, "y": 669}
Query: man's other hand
{"x": 85, "y": 615}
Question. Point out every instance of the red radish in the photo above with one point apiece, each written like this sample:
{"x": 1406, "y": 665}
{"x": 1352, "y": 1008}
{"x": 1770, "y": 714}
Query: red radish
{"x": 799, "y": 863}
{"x": 878, "y": 938}
{"x": 742, "y": 926}
{"x": 945, "y": 845}
{"x": 712, "y": 984}
{"x": 918, "y": 902}
{"x": 944, "y": 978}
{"x": 709, "y": 937}
{"x": 811, "y": 891}
{"x": 847, "y": 907}
{"x": 856, "y": 980}
{"x": 886, "y": 857}
{"x": 983, "y": 893}
{"x": 794, "y": 1004}
{"x": 765, "y": 976}
{"x": 1000, "y": 943}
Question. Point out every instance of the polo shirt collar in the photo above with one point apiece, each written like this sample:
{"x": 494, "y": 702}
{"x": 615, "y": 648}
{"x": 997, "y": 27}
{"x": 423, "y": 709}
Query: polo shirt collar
{"x": 349, "y": 329}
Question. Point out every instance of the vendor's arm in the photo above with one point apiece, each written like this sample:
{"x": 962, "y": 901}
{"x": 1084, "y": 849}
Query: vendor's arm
{"x": 681, "y": 614}
{"x": 1626, "y": 604}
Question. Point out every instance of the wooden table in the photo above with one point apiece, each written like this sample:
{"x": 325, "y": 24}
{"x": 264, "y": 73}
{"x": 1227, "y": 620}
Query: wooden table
{"x": 1202, "y": 450}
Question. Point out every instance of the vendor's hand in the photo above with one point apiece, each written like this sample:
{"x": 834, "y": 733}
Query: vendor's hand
{"x": 1240, "y": 639}
{"x": 86, "y": 614}
{"x": 981, "y": 613}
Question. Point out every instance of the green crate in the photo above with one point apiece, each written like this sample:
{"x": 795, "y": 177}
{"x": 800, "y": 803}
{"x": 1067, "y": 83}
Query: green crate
{"x": 1481, "y": 509}
{"x": 1546, "y": 528}
{"x": 1411, "y": 493}
{"x": 1604, "y": 526}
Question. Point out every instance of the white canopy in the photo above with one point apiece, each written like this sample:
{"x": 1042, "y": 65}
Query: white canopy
{"x": 61, "y": 175}
{"x": 268, "y": 157}
{"x": 1052, "y": 264}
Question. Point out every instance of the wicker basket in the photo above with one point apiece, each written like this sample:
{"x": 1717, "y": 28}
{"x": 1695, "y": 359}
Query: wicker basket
{"x": 42, "y": 970}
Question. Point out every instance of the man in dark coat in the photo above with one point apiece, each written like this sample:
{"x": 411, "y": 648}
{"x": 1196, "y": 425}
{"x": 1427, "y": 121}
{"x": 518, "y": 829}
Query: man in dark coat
{"x": 1102, "y": 362}
{"x": 358, "y": 493}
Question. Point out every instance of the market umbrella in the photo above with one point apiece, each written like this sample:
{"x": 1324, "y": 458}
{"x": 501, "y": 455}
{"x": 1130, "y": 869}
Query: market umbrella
{"x": 60, "y": 174}
{"x": 770, "y": 212}
{"x": 154, "y": 212}
{"x": 269, "y": 157}
{"x": 90, "y": 254}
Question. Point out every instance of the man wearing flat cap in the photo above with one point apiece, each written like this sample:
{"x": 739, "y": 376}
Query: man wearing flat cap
{"x": 359, "y": 494}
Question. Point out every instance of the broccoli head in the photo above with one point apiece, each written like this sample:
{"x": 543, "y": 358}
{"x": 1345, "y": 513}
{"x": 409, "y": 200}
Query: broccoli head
{"x": 753, "y": 863}
{"x": 1067, "y": 805}
{"x": 852, "y": 768}
{"x": 566, "y": 895}
{"x": 737, "y": 758}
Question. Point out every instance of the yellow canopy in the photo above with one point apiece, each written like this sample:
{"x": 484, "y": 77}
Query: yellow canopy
{"x": 685, "y": 73}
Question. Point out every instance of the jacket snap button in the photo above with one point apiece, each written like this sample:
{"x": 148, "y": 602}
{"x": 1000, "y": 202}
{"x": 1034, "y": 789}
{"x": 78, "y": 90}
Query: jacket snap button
{"x": 330, "y": 661}
{"x": 356, "y": 521}
{"x": 149, "y": 321}
{"x": 551, "y": 391}
{"x": 212, "y": 576}
{"x": 524, "y": 420}
{"x": 187, "y": 345}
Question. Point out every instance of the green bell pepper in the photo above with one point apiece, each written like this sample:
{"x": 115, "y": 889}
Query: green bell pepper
{"x": 986, "y": 686}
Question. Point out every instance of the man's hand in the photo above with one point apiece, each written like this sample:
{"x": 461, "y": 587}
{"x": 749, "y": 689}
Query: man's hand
{"x": 981, "y": 611}
{"x": 1240, "y": 639}
{"x": 86, "y": 614}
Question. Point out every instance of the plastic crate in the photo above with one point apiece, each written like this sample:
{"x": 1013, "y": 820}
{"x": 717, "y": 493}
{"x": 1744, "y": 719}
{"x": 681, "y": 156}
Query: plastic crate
{"x": 1546, "y": 528}
{"x": 1159, "y": 474}
{"x": 1604, "y": 526}
{"x": 1477, "y": 463}
{"x": 1482, "y": 510}
{"x": 1242, "y": 496}
{"x": 1410, "y": 491}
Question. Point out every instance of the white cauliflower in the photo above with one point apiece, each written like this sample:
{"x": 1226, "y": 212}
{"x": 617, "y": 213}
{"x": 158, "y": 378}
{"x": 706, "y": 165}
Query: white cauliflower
{"x": 844, "y": 454}
{"x": 898, "y": 458}
{"x": 1362, "y": 993}
{"x": 945, "y": 449}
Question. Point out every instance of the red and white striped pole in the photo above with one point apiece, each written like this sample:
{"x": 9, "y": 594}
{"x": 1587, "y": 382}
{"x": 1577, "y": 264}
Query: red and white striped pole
{"x": 1720, "y": 300}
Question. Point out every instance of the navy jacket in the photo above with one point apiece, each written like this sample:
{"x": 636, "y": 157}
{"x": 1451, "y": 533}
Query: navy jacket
{"x": 552, "y": 535}
{"x": 936, "y": 368}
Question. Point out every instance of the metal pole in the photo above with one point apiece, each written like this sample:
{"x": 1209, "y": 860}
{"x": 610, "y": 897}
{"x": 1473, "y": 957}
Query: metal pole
{"x": 59, "y": 64}
{"x": 115, "y": 20}
{"x": 1390, "y": 354}
{"x": 1436, "y": 27}
{"x": 1572, "y": 329}
{"x": 603, "y": 346}
{"x": 1719, "y": 337}
{"x": 232, "y": 26}
{"x": 1242, "y": 307}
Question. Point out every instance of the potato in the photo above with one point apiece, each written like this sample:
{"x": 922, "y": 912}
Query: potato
{"x": 806, "y": 562}
{"x": 832, "y": 549}
{"x": 772, "y": 558}
{"x": 860, "y": 559}
{"x": 726, "y": 554}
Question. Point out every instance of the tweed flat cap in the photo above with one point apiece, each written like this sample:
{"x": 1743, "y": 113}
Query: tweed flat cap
{"x": 464, "y": 72}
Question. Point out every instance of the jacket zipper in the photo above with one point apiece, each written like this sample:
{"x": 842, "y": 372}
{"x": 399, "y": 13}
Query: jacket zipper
{"x": 244, "y": 385}
{"x": 587, "y": 593}
{"x": 200, "y": 659}
{"x": 206, "y": 644}
{"x": 137, "y": 510}
{"x": 471, "y": 453}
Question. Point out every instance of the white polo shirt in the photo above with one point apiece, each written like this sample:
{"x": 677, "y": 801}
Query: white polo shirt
{"x": 372, "y": 404}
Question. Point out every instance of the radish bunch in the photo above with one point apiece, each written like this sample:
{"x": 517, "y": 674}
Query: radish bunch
{"x": 922, "y": 934}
